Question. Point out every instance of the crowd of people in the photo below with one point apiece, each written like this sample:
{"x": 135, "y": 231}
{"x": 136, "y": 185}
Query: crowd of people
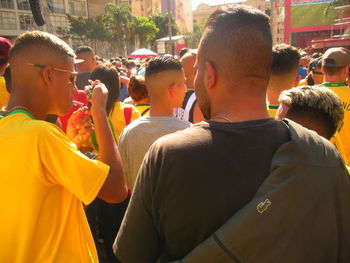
{"x": 237, "y": 151}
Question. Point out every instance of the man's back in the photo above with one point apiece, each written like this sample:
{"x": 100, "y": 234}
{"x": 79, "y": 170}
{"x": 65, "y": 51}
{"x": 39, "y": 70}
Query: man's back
{"x": 138, "y": 137}
{"x": 43, "y": 193}
{"x": 192, "y": 182}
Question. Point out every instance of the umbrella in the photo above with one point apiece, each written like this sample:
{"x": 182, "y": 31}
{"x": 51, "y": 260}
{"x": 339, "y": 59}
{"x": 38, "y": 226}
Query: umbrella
{"x": 143, "y": 53}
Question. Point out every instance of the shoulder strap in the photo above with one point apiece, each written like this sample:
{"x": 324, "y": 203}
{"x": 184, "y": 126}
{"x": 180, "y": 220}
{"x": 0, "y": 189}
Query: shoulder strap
{"x": 127, "y": 115}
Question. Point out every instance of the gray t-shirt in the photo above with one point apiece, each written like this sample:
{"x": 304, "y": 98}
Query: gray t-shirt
{"x": 138, "y": 137}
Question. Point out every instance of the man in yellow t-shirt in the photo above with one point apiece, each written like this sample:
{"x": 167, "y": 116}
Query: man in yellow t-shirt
{"x": 5, "y": 46}
{"x": 335, "y": 66}
{"x": 284, "y": 74}
{"x": 45, "y": 178}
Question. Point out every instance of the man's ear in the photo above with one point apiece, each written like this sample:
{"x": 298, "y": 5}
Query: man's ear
{"x": 46, "y": 74}
{"x": 210, "y": 76}
{"x": 173, "y": 90}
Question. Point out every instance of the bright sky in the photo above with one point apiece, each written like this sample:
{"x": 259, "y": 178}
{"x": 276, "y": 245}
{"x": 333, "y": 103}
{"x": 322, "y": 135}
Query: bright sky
{"x": 195, "y": 3}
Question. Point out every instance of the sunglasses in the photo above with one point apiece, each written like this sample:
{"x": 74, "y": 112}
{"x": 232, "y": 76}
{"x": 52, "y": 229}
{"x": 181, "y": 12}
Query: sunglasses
{"x": 72, "y": 77}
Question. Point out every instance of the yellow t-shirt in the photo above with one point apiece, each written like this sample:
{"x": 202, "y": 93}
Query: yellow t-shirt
{"x": 117, "y": 118}
{"x": 343, "y": 92}
{"x": 143, "y": 109}
{"x": 45, "y": 180}
{"x": 272, "y": 110}
{"x": 4, "y": 95}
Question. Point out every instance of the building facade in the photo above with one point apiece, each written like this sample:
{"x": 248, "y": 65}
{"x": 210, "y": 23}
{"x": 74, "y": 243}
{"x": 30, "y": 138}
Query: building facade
{"x": 16, "y": 16}
{"x": 203, "y": 11}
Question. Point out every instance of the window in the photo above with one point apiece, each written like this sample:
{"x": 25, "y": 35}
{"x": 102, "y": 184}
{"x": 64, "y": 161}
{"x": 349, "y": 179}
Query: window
{"x": 8, "y": 20}
{"x": 58, "y": 22}
{"x": 77, "y": 8}
{"x": 23, "y": 5}
{"x": 56, "y": 6}
{"x": 26, "y": 22}
{"x": 6, "y": 4}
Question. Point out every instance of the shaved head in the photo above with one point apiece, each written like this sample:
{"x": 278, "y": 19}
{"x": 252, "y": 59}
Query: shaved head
{"x": 40, "y": 40}
{"x": 234, "y": 54}
{"x": 162, "y": 72}
{"x": 237, "y": 41}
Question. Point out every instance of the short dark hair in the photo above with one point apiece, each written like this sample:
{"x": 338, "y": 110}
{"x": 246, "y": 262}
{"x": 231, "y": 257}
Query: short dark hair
{"x": 285, "y": 59}
{"x": 160, "y": 64}
{"x": 183, "y": 51}
{"x": 7, "y": 77}
{"x": 82, "y": 49}
{"x": 237, "y": 41}
{"x": 137, "y": 88}
{"x": 331, "y": 71}
{"x": 108, "y": 75}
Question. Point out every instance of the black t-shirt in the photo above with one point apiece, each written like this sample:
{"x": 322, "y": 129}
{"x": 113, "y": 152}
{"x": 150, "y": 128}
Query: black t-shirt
{"x": 192, "y": 182}
{"x": 82, "y": 80}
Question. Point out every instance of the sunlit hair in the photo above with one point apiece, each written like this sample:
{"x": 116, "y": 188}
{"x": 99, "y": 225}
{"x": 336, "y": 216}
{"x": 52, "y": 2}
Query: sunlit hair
{"x": 42, "y": 40}
{"x": 316, "y": 103}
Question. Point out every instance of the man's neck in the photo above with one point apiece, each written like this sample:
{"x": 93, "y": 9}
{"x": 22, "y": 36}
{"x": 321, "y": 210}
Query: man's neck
{"x": 275, "y": 87}
{"x": 334, "y": 78}
{"x": 37, "y": 109}
{"x": 161, "y": 110}
{"x": 272, "y": 97}
{"x": 239, "y": 112}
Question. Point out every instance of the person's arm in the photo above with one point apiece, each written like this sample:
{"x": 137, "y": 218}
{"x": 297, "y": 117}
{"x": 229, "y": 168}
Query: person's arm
{"x": 138, "y": 239}
{"x": 114, "y": 189}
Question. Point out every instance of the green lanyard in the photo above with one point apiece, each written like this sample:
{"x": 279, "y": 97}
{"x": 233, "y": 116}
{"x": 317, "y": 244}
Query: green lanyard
{"x": 334, "y": 84}
{"x": 21, "y": 111}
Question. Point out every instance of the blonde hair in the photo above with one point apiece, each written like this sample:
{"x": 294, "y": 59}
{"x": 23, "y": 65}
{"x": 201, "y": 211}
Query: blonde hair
{"x": 315, "y": 98}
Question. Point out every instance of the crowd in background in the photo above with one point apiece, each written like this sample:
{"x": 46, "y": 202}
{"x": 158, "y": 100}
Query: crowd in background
{"x": 201, "y": 157}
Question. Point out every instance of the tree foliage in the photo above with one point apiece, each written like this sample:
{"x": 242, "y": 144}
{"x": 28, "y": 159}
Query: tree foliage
{"x": 192, "y": 39}
{"x": 119, "y": 28}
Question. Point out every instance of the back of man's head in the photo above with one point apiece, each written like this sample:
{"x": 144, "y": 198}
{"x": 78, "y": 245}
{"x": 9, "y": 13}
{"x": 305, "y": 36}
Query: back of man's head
{"x": 284, "y": 70}
{"x": 334, "y": 60}
{"x": 161, "y": 73}
{"x": 237, "y": 42}
{"x": 285, "y": 61}
{"x": 315, "y": 107}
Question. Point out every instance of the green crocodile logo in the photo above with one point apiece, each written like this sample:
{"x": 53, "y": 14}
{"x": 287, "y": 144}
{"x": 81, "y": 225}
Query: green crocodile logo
{"x": 262, "y": 206}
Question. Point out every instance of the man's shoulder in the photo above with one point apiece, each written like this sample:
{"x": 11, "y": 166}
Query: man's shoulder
{"x": 307, "y": 148}
{"x": 185, "y": 138}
